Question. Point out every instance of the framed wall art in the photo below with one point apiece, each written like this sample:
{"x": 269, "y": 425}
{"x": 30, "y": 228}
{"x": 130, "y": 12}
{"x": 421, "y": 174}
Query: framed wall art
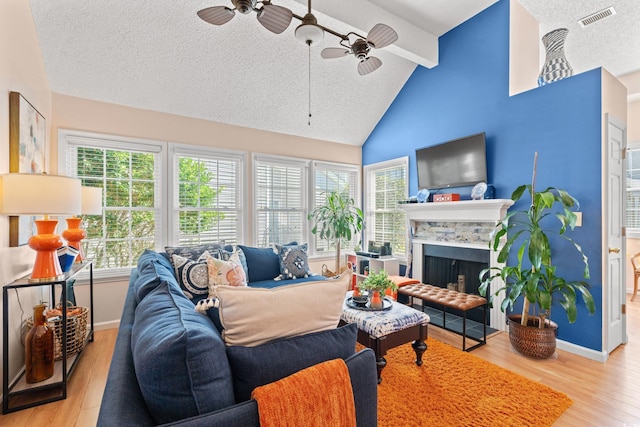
{"x": 27, "y": 150}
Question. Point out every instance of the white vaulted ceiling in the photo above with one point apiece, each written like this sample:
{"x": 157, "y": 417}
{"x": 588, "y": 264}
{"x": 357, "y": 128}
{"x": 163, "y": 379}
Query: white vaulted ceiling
{"x": 158, "y": 55}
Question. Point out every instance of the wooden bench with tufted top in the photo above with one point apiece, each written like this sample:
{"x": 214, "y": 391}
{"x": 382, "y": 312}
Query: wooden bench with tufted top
{"x": 446, "y": 298}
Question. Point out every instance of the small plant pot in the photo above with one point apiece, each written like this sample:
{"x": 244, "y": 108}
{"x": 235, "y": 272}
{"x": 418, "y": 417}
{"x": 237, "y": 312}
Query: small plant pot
{"x": 530, "y": 340}
{"x": 376, "y": 301}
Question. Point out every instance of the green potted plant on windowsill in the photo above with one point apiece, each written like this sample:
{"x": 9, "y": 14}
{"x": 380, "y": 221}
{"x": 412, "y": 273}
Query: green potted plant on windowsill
{"x": 531, "y": 275}
{"x": 337, "y": 220}
{"x": 377, "y": 284}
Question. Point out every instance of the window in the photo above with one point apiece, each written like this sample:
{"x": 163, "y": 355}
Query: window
{"x": 280, "y": 187}
{"x": 138, "y": 179}
{"x": 328, "y": 177}
{"x": 633, "y": 188}
{"x": 386, "y": 184}
{"x": 207, "y": 197}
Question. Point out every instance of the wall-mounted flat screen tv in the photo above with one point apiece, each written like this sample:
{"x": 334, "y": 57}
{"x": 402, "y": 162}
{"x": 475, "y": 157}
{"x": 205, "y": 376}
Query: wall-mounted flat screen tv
{"x": 455, "y": 163}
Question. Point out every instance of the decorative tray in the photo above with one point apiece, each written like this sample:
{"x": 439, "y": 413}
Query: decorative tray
{"x": 386, "y": 305}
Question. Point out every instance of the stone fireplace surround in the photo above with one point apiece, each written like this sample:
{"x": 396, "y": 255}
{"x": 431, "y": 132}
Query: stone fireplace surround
{"x": 462, "y": 224}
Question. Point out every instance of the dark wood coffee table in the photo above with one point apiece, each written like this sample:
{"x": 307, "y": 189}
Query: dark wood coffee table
{"x": 381, "y": 330}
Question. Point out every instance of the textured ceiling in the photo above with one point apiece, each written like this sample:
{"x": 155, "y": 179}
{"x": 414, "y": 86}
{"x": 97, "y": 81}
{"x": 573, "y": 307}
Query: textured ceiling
{"x": 158, "y": 55}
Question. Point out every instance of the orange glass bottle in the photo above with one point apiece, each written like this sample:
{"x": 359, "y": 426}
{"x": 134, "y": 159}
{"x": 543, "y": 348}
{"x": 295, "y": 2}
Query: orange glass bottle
{"x": 38, "y": 348}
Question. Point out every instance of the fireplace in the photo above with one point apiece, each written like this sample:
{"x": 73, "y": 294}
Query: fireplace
{"x": 451, "y": 239}
{"x": 455, "y": 268}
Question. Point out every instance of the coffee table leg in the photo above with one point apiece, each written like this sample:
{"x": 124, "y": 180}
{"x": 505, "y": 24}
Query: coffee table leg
{"x": 381, "y": 362}
{"x": 419, "y": 347}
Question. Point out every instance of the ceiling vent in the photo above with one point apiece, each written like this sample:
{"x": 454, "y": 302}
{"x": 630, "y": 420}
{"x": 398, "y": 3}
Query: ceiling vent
{"x": 594, "y": 17}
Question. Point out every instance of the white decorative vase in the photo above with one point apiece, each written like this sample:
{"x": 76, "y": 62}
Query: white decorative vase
{"x": 556, "y": 66}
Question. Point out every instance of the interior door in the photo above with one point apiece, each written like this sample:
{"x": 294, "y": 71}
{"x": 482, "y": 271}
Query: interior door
{"x": 615, "y": 290}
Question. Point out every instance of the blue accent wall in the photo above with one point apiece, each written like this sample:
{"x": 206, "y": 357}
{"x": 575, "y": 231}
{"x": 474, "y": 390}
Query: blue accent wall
{"x": 467, "y": 93}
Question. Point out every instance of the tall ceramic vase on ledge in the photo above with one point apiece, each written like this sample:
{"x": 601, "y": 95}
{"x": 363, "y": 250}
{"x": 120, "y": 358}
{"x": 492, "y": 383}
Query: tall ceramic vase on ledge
{"x": 556, "y": 66}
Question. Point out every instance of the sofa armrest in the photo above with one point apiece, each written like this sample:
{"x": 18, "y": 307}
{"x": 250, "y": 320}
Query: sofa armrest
{"x": 122, "y": 393}
{"x": 364, "y": 382}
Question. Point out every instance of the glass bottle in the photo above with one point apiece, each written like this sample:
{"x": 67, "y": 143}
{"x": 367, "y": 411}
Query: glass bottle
{"x": 38, "y": 348}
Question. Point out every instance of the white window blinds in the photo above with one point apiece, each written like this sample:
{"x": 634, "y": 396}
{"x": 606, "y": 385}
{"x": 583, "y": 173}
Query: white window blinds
{"x": 280, "y": 192}
{"x": 129, "y": 175}
{"x": 385, "y": 184}
{"x": 207, "y": 197}
{"x": 328, "y": 177}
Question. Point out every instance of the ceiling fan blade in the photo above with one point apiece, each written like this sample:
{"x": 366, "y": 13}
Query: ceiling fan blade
{"x": 368, "y": 65}
{"x": 381, "y": 35}
{"x": 216, "y": 15}
{"x": 275, "y": 18}
{"x": 334, "y": 52}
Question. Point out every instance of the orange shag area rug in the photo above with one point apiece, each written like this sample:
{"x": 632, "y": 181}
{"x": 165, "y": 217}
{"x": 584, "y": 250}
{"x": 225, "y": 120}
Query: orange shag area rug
{"x": 454, "y": 388}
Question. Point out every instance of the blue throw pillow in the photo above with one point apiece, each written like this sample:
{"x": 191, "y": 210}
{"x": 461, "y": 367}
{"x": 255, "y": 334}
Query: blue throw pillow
{"x": 294, "y": 262}
{"x": 266, "y": 363}
{"x": 179, "y": 358}
{"x": 262, "y": 263}
{"x": 193, "y": 276}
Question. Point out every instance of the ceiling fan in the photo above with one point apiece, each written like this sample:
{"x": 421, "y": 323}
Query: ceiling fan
{"x": 277, "y": 19}
{"x": 381, "y": 35}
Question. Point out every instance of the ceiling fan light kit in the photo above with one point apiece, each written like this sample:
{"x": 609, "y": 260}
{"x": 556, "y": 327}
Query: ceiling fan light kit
{"x": 277, "y": 19}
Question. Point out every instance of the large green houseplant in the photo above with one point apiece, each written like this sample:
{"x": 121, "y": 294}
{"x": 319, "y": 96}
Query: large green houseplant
{"x": 337, "y": 220}
{"x": 531, "y": 274}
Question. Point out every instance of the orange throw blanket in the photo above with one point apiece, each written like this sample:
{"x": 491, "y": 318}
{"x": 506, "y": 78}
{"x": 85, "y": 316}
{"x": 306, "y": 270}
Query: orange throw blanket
{"x": 318, "y": 396}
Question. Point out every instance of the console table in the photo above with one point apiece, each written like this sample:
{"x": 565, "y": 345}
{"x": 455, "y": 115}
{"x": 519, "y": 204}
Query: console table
{"x": 19, "y": 394}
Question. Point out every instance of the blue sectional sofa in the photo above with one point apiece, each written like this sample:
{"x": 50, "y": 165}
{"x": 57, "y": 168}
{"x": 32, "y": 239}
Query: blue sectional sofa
{"x": 171, "y": 366}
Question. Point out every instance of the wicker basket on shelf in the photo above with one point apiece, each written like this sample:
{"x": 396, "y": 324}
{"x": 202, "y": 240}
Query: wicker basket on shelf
{"x": 76, "y": 330}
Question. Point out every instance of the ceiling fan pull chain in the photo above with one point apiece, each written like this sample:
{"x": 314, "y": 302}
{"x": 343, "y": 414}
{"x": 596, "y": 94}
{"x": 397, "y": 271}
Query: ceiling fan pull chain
{"x": 309, "y": 47}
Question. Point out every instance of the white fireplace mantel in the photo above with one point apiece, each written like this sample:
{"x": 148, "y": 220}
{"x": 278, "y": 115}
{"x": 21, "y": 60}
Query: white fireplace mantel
{"x": 468, "y": 211}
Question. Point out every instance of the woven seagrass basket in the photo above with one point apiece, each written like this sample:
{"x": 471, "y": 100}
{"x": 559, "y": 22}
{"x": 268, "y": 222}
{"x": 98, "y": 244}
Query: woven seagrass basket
{"x": 530, "y": 340}
{"x": 328, "y": 273}
{"x": 76, "y": 331}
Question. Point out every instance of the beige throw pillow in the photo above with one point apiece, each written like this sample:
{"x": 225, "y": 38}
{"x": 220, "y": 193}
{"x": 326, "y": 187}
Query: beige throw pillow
{"x": 225, "y": 273}
{"x": 254, "y": 316}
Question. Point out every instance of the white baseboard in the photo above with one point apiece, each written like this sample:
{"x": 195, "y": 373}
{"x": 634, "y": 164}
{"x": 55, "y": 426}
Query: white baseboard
{"x": 598, "y": 356}
{"x": 102, "y": 326}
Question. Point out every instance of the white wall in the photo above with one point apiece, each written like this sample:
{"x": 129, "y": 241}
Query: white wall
{"x": 21, "y": 70}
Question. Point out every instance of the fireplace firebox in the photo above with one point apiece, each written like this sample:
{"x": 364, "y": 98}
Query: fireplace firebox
{"x": 455, "y": 268}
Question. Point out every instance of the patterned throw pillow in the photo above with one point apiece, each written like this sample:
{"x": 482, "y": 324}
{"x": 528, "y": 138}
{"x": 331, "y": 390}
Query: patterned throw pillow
{"x": 226, "y": 253}
{"x": 193, "y": 276}
{"x": 194, "y": 252}
{"x": 294, "y": 262}
{"x": 225, "y": 273}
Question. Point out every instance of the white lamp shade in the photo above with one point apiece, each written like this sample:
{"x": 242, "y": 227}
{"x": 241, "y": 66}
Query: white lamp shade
{"x": 91, "y": 200}
{"x": 39, "y": 194}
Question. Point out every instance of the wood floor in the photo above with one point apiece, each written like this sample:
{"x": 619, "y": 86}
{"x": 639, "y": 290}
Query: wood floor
{"x": 604, "y": 394}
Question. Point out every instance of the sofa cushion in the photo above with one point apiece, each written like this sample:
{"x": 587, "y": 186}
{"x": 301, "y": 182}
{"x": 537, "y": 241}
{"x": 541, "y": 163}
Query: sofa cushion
{"x": 260, "y": 365}
{"x": 152, "y": 268}
{"x": 179, "y": 357}
{"x": 254, "y": 316}
{"x": 262, "y": 263}
{"x": 294, "y": 262}
{"x": 192, "y": 275}
{"x": 225, "y": 273}
{"x": 276, "y": 283}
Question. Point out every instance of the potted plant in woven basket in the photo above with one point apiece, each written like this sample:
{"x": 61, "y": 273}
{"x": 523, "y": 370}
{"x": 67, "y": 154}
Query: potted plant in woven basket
{"x": 337, "y": 220}
{"x": 531, "y": 274}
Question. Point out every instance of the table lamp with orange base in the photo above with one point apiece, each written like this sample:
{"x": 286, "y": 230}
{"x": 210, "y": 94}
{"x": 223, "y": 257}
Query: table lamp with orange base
{"x": 41, "y": 194}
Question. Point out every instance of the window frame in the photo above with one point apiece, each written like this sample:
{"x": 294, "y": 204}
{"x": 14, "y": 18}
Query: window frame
{"x": 357, "y": 196}
{"x": 165, "y": 232}
{"x": 632, "y": 232}
{"x": 368, "y": 172}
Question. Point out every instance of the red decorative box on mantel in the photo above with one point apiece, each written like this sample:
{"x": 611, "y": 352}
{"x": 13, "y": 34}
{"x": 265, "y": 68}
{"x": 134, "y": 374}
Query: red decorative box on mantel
{"x": 451, "y": 197}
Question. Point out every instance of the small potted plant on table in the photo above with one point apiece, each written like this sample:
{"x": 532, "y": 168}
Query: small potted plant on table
{"x": 376, "y": 284}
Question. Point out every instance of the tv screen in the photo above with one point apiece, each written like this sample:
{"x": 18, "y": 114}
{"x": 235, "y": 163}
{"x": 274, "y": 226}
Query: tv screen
{"x": 454, "y": 163}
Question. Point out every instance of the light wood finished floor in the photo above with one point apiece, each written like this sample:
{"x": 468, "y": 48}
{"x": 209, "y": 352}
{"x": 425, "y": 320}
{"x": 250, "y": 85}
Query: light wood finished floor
{"x": 604, "y": 394}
